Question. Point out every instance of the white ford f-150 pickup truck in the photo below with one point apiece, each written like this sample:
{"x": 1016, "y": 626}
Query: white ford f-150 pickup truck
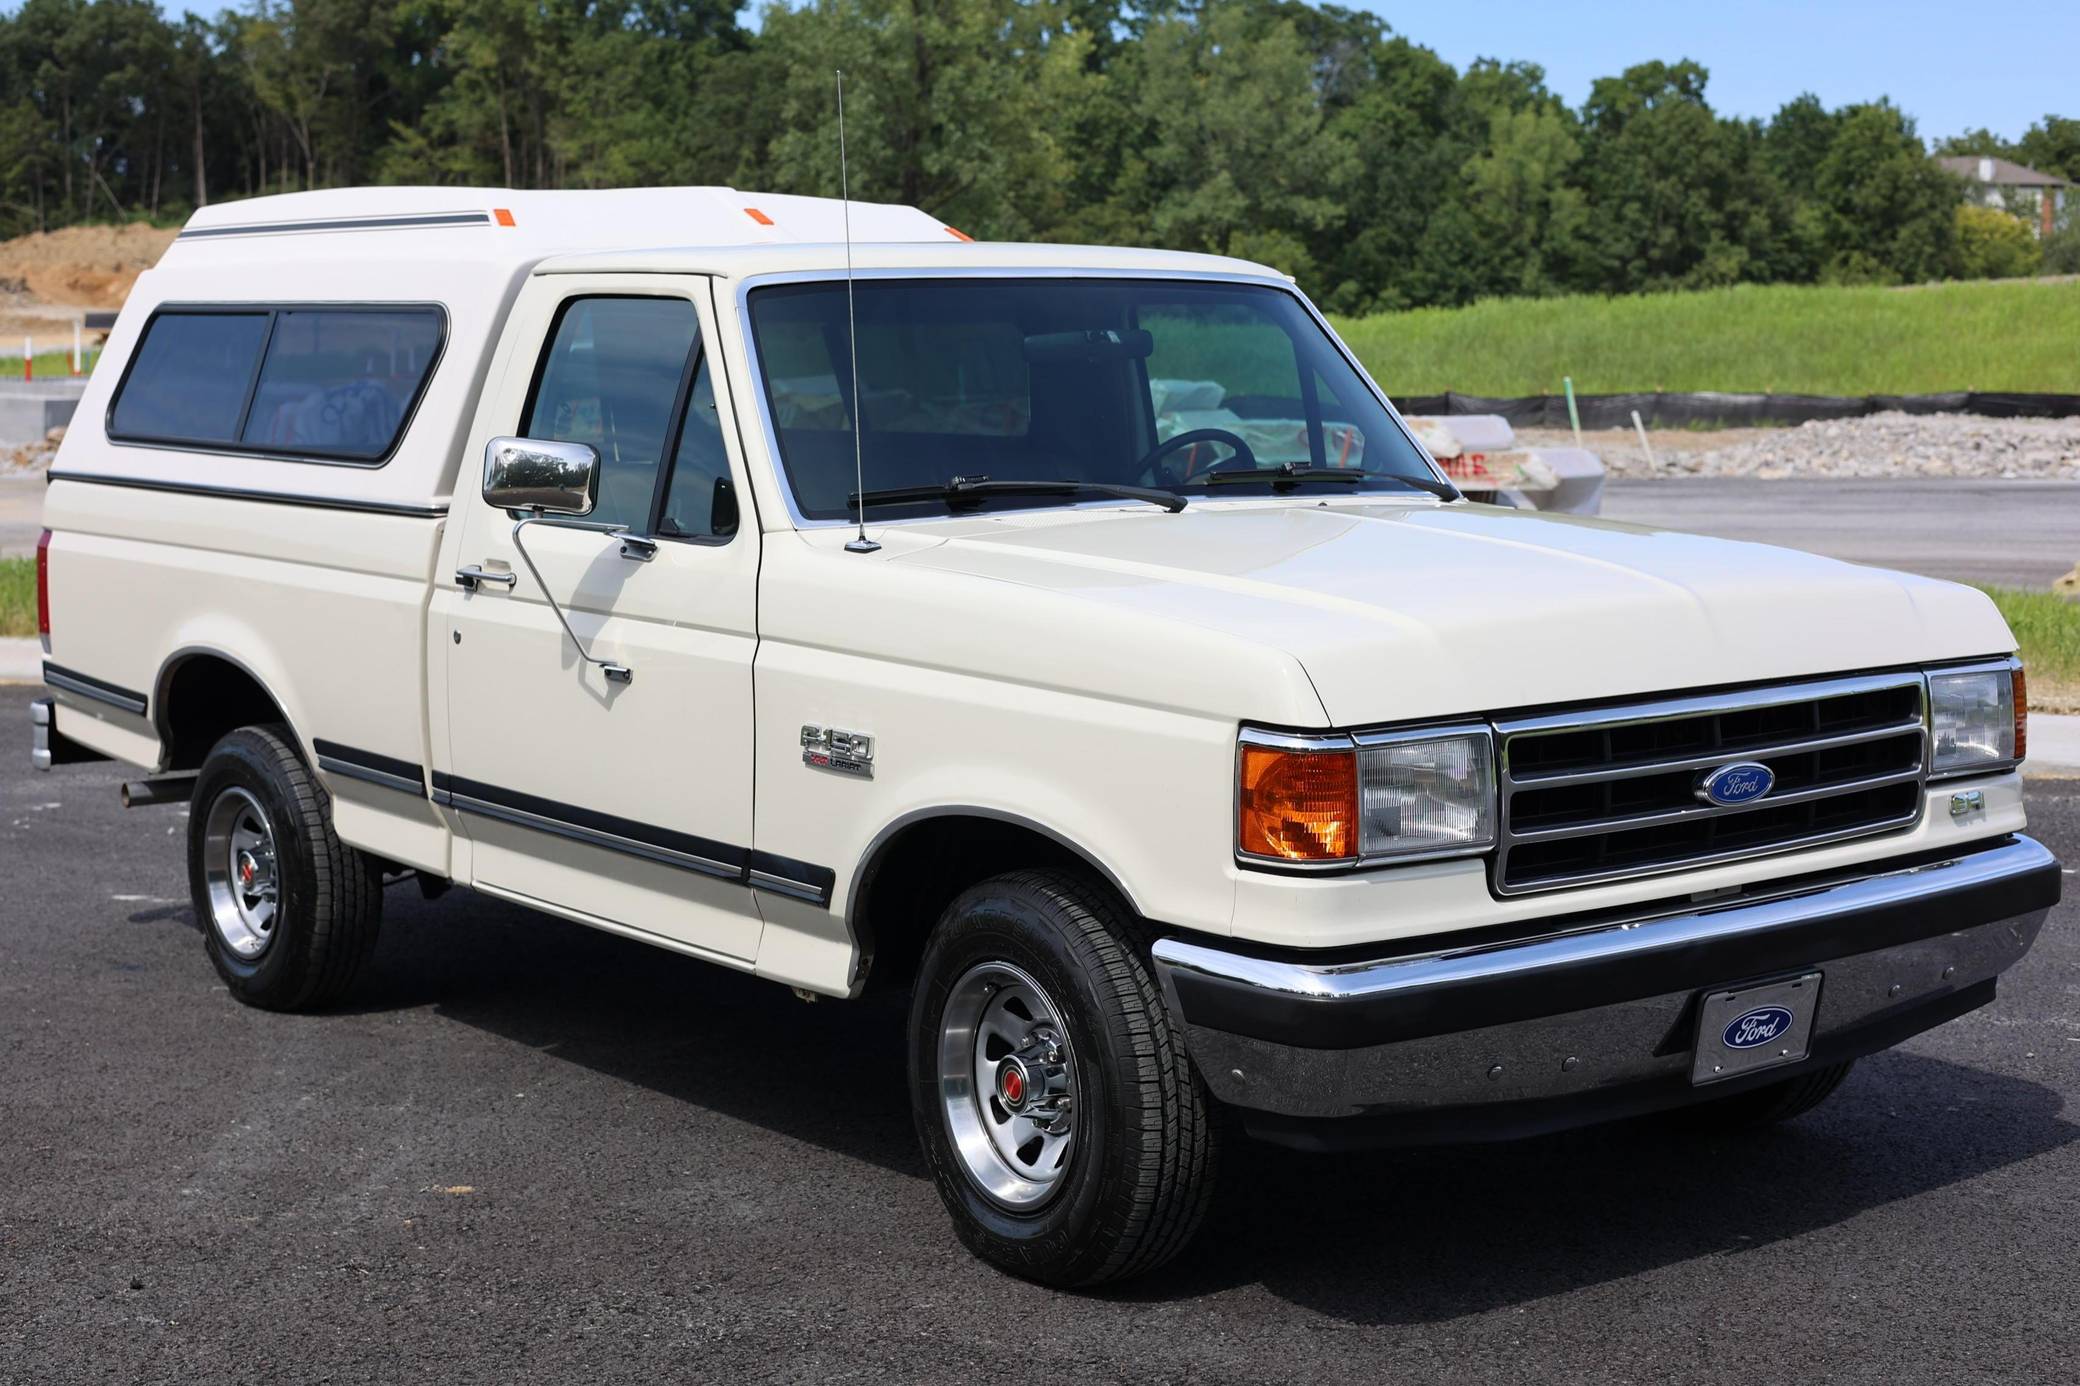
{"x": 1074, "y": 637}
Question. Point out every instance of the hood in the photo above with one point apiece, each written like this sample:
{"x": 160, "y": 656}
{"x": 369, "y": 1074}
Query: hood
{"x": 1401, "y": 610}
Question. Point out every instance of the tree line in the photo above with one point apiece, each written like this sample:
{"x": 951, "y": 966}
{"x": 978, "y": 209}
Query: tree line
{"x": 1306, "y": 135}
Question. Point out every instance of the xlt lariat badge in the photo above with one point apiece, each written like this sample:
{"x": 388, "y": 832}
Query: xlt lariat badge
{"x": 827, "y": 748}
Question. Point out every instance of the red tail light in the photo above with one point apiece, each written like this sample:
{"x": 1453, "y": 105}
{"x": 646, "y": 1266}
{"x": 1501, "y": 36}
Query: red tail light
{"x": 43, "y": 584}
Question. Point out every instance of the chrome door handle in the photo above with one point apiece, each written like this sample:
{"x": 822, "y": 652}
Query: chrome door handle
{"x": 473, "y": 575}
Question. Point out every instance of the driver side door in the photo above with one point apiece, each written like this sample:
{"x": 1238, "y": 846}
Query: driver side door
{"x": 626, "y": 805}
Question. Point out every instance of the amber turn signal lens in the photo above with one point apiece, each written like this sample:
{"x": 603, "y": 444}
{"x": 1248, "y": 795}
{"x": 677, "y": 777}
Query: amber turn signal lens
{"x": 2021, "y": 713}
{"x": 1299, "y": 805}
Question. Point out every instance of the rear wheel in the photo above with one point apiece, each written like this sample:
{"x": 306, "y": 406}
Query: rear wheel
{"x": 1064, "y": 1127}
{"x": 1766, "y": 1105}
{"x": 289, "y": 913}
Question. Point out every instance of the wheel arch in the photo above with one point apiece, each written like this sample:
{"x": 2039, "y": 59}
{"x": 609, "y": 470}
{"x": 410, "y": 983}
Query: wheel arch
{"x": 201, "y": 692}
{"x": 915, "y": 866}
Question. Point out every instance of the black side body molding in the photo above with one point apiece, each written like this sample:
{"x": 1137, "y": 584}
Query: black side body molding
{"x": 184, "y": 488}
{"x": 357, "y": 764}
{"x": 798, "y": 880}
{"x": 100, "y": 690}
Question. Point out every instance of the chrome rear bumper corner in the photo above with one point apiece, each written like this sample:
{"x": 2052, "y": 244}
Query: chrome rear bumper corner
{"x": 47, "y": 745}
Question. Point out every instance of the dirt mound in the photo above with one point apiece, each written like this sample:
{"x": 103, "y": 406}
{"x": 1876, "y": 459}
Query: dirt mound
{"x": 82, "y": 266}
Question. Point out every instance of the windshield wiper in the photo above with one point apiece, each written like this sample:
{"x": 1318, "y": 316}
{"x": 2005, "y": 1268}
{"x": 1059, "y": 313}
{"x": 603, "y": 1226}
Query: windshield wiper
{"x": 1290, "y": 474}
{"x": 970, "y": 490}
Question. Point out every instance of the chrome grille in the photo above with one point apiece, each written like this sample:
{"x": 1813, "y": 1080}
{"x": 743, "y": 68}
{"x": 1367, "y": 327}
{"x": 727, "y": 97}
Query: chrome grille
{"x": 1609, "y": 793}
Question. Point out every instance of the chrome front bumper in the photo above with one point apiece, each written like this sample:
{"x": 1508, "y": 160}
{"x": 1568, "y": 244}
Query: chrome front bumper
{"x": 1594, "y": 1019}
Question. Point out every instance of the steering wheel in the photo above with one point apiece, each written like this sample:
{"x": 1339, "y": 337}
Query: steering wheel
{"x": 1191, "y": 438}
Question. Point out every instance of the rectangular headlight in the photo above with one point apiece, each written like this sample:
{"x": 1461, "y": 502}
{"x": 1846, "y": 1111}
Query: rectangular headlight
{"x": 1335, "y": 799}
{"x": 1975, "y": 719}
{"x": 1426, "y": 794}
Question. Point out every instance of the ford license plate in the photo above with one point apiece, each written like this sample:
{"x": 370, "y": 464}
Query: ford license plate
{"x": 1760, "y": 1026}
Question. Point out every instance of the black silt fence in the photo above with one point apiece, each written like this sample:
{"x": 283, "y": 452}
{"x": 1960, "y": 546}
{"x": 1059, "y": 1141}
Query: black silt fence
{"x": 1663, "y": 409}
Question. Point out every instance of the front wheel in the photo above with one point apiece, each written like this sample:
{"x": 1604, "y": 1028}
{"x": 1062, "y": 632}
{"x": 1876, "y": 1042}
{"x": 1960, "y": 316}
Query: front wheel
{"x": 1064, "y": 1127}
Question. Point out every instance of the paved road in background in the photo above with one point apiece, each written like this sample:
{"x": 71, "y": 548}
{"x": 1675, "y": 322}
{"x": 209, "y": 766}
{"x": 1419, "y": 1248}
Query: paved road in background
{"x": 21, "y": 514}
{"x": 2012, "y": 533}
{"x": 533, "y": 1152}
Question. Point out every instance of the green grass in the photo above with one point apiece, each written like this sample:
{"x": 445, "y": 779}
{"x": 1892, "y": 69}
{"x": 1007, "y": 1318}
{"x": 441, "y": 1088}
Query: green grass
{"x": 2048, "y": 629}
{"x": 17, "y": 596}
{"x": 1786, "y": 338}
{"x": 50, "y": 365}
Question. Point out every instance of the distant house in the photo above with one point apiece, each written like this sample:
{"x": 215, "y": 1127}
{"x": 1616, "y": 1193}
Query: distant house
{"x": 2005, "y": 184}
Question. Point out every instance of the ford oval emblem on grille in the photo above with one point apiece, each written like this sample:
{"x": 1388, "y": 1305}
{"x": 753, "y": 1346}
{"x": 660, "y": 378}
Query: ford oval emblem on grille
{"x": 1758, "y": 1026}
{"x": 1740, "y": 783}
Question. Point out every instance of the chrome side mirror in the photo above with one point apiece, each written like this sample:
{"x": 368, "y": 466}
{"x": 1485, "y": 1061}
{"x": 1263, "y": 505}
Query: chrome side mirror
{"x": 545, "y": 477}
{"x": 554, "y": 483}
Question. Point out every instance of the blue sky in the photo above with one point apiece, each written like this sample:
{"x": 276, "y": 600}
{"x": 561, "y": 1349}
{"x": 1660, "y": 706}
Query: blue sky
{"x": 1951, "y": 66}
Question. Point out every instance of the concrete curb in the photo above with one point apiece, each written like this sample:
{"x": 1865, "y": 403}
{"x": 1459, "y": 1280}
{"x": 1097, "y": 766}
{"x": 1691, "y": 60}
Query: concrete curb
{"x": 21, "y": 661}
{"x": 2054, "y": 746}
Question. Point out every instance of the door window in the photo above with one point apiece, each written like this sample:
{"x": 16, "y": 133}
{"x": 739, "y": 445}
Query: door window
{"x": 611, "y": 378}
{"x": 700, "y": 501}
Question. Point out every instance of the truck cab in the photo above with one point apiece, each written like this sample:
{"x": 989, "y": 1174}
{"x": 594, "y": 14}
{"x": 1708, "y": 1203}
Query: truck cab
{"x": 1075, "y": 638}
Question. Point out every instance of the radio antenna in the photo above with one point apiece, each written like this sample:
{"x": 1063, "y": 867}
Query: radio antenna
{"x": 861, "y": 543}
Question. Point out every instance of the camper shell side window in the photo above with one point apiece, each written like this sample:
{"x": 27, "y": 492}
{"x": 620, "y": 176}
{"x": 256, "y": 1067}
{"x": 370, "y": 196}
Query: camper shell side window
{"x": 322, "y": 382}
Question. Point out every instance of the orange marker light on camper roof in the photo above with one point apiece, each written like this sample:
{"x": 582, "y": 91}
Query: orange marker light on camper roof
{"x": 503, "y": 217}
{"x": 760, "y": 217}
{"x": 1298, "y": 805}
{"x": 958, "y": 234}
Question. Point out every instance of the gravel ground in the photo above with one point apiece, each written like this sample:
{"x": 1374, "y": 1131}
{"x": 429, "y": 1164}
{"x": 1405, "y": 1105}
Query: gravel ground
{"x": 531, "y": 1152}
{"x": 1877, "y": 445}
{"x": 31, "y": 459}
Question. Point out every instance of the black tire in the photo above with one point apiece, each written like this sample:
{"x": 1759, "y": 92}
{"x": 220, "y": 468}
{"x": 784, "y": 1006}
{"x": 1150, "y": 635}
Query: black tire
{"x": 1140, "y": 1170}
{"x": 1766, "y": 1105}
{"x": 328, "y": 900}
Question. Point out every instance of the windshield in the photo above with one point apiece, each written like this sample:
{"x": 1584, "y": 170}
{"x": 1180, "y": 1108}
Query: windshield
{"x": 1189, "y": 387}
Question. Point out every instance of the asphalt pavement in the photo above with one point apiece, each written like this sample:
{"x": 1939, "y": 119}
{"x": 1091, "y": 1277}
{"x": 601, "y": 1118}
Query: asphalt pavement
{"x": 2009, "y": 533}
{"x": 531, "y": 1152}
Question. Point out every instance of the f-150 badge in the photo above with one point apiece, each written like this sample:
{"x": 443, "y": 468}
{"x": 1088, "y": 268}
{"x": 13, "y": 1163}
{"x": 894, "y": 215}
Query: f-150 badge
{"x": 848, "y": 753}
